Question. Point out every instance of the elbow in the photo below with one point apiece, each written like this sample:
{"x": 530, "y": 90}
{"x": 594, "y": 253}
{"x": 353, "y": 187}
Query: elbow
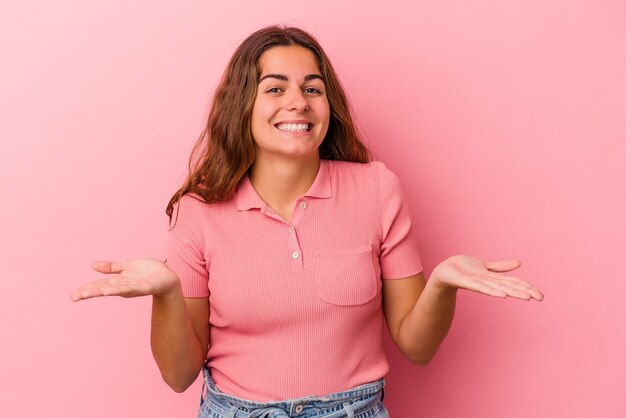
{"x": 420, "y": 361}
{"x": 421, "y": 354}
{"x": 180, "y": 376}
{"x": 179, "y": 384}
{"x": 178, "y": 387}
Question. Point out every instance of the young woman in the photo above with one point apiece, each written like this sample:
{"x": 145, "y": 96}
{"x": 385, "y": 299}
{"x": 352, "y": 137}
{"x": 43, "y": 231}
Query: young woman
{"x": 290, "y": 250}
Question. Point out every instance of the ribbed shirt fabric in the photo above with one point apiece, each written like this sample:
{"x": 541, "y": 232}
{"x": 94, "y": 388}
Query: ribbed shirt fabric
{"x": 296, "y": 308}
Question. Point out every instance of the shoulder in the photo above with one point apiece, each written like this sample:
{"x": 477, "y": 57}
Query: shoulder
{"x": 189, "y": 210}
{"x": 351, "y": 168}
{"x": 191, "y": 204}
{"x": 374, "y": 172}
{"x": 385, "y": 178}
{"x": 196, "y": 212}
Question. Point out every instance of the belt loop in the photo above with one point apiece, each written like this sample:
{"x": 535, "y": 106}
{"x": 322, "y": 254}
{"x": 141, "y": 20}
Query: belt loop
{"x": 202, "y": 392}
{"x": 349, "y": 409}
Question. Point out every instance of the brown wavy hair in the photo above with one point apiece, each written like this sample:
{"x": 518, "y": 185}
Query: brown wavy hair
{"x": 225, "y": 149}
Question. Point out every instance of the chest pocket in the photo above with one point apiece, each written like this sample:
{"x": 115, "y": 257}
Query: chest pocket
{"x": 346, "y": 277}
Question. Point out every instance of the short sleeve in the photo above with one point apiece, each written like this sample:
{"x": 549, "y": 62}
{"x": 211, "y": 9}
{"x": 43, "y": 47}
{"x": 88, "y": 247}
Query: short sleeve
{"x": 185, "y": 249}
{"x": 399, "y": 251}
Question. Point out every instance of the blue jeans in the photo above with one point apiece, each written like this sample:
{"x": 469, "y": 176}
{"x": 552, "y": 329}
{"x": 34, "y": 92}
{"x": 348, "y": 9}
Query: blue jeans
{"x": 365, "y": 401}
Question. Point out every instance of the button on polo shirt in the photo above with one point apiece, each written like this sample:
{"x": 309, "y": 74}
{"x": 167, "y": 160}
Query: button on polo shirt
{"x": 296, "y": 307}
{"x": 248, "y": 199}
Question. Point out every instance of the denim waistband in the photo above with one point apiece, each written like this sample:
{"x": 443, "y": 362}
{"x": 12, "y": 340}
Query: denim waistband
{"x": 362, "y": 400}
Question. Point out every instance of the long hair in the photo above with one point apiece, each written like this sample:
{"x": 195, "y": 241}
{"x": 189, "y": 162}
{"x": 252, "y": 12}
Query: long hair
{"x": 225, "y": 149}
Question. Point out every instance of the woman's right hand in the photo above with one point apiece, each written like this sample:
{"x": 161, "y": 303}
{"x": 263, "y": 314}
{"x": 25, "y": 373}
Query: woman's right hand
{"x": 129, "y": 279}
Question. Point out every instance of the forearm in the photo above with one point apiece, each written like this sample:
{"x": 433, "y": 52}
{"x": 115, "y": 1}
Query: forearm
{"x": 426, "y": 325}
{"x": 175, "y": 346}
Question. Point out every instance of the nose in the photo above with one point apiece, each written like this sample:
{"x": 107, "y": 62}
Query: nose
{"x": 297, "y": 101}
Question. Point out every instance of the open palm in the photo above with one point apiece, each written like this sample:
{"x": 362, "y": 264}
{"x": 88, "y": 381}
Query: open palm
{"x": 466, "y": 272}
{"x": 129, "y": 278}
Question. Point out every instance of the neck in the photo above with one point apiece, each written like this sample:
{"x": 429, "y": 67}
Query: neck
{"x": 281, "y": 181}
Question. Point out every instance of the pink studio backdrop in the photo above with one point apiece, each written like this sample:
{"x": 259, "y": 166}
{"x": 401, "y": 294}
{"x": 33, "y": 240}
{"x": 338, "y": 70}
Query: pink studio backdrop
{"x": 506, "y": 120}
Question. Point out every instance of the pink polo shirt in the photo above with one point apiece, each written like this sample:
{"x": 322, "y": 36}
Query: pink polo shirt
{"x": 296, "y": 308}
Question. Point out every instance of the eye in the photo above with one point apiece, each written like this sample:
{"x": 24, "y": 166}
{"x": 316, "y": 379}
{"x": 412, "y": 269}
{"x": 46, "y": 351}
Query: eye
{"x": 274, "y": 90}
{"x": 312, "y": 90}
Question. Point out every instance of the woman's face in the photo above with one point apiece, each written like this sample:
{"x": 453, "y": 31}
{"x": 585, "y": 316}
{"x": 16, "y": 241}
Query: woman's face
{"x": 291, "y": 112}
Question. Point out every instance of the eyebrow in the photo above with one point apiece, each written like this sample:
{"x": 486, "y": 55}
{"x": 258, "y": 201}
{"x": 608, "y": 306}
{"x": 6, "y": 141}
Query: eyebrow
{"x": 308, "y": 77}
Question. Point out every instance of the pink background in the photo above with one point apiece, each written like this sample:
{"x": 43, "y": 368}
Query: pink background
{"x": 505, "y": 119}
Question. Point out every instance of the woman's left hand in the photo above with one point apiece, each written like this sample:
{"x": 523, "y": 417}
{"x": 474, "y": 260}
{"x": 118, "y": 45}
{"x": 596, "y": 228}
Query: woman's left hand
{"x": 471, "y": 273}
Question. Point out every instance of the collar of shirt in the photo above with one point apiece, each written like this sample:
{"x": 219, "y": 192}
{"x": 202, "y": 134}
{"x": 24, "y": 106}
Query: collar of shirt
{"x": 248, "y": 198}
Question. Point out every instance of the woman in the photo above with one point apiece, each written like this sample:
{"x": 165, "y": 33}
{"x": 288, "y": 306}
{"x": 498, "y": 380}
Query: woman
{"x": 283, "y": 232}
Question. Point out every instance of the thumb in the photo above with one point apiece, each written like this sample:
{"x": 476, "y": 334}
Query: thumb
{"x": 502, "y": 265}
{"x": 105, "y": 266}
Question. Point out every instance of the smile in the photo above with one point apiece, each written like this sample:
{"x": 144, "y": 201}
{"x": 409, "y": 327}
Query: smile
{"x": 294, "y": 127}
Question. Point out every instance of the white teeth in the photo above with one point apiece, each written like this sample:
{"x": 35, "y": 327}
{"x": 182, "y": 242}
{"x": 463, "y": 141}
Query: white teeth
{"x": 293, "y": 127}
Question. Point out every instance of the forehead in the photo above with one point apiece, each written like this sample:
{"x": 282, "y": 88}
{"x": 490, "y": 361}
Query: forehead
{"x": 289, "y": 61}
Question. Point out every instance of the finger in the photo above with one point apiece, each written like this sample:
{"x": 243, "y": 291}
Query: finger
{"x": 85, "y": 293}
{"x": 509, "y": 290}
{"x": 103, "y": 289}
{"x": 513, "y": 287}
{"x": 476, "y": 285}
{"x": 76, "y": 296}
{"x": 502, "y": 265}
{"x": 511, "y": 280}
{"x": 535, "y": 293}
{"x": 94, "y": 289}
{"x": 517, "y": 283}
{"x": 107, "y": 267}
